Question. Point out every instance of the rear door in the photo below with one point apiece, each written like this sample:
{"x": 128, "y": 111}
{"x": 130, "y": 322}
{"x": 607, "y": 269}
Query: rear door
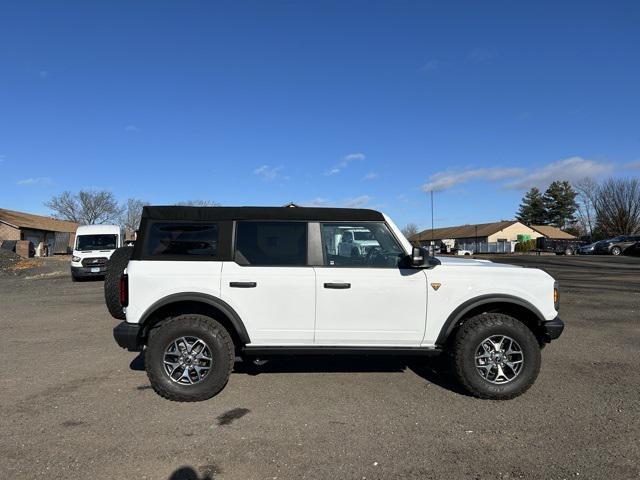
{"x": 365, "y": 297}
{"x": 270, "y": 284}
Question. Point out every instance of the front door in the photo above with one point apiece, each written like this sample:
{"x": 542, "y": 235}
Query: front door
{"x": 270, "y": 285}
{"x": 363, "y": 296}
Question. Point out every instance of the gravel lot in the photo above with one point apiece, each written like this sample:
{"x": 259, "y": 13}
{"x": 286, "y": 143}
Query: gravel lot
{"x": 74, "y": 405}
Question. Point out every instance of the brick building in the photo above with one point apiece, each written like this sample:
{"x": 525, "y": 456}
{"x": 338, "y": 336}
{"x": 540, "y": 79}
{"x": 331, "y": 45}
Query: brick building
{"x": 59, "y": 235}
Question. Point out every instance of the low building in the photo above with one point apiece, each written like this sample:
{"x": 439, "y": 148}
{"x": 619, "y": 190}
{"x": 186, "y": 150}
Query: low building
{"x": 58, "y": 235}
{"x": 505, "y": 231}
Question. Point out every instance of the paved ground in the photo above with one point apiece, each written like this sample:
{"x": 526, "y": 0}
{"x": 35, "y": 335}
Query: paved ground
{"x": 74, "y": 408}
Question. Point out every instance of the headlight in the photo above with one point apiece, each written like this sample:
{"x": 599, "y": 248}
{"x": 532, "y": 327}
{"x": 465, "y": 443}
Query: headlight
{"x": 556, "y": 296}
{"x": 75, "y": 259}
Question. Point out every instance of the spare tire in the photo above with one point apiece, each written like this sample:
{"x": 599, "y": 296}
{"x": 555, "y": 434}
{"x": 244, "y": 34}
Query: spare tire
{"x": 115, "y": 266}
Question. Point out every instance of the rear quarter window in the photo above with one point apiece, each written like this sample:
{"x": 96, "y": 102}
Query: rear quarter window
{"x": 165, "y": 240}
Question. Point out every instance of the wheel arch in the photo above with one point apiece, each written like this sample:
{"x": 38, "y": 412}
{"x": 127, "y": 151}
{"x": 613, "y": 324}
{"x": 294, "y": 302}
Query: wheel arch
{"x": 507, "y": 304}
{"x": 195, "y": 302}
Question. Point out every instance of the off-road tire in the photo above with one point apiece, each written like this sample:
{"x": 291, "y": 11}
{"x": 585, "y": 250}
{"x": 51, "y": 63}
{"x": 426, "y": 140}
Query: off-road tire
{"x": 468, "y": 338}
{"x": 213, "y": 334}
{"x": 617, "y": 251}
{"x": 115, "y": 266}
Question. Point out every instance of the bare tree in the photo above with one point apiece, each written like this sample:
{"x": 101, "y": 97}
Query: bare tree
{"x": 617, "y": 206}
{"x": 410, "y": 230}
{"x": 587, "y": 189}
{"x": 87, "y": 207}
{"x": 198, "y": 203}
{"x": 131, "y": 213}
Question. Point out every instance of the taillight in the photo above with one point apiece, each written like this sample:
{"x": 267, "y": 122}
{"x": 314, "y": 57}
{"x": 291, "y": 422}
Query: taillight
{"x": 124, "y": 290}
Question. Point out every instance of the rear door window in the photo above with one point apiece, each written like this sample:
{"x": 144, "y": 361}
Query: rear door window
{"x": 182, "y": 240}
{"x": 271, "y": 243}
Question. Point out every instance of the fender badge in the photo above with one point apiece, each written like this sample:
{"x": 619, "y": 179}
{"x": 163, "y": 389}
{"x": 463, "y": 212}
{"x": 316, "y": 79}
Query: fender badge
{"x": 435, "y": 286}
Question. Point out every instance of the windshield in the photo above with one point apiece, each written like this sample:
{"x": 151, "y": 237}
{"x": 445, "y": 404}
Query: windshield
{"x": 363, "y": 235}
{"x": 96, "y": 242}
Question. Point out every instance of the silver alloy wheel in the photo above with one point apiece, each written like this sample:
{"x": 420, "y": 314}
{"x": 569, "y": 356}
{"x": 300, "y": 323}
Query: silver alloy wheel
{"x": 499, "y": 359}
{"x": 187, "y": 360}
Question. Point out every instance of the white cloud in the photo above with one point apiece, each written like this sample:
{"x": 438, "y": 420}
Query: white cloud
{"x": 357, "y": 202}
{"x": 571, "y": 169}
{"x": 317, "y": 202}
{"x": 34, "y": 181}
{"x": 269, "y": 174}
{"x": 635, "y": 164}
{"x": 445, "y": 180}
{"x": 131, "y": 128}
{"x": 370, "y": 176}
{"x": 431, "y": 66}
{"x": 346, "y": 160}
{"x": 481, "y": 55}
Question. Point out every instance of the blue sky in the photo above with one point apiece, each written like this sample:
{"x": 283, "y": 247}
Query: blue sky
{"x": 321, "y": 103}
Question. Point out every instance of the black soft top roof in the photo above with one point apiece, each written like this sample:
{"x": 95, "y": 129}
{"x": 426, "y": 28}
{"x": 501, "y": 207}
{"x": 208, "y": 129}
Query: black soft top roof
{"x": 261, "y": 213}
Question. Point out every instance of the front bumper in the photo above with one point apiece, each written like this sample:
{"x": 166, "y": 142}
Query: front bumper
{"x": 129, "y": 336}
{"x": 88, "y": 271}
{"x": 552, "y": 329}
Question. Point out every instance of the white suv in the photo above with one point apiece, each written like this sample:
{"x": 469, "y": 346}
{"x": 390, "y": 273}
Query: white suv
{"x": 203, "y": 285}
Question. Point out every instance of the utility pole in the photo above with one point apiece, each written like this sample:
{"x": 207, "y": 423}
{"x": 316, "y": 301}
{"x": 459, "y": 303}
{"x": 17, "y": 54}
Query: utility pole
{"x": 476, "y": 242}
{"x": 433, "y": 247}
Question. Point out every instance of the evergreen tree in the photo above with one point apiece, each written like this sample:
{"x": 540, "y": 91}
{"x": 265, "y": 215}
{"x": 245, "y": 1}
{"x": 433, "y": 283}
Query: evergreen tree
{"x": 532, "y": 209}
{"x": 560, "y": 204}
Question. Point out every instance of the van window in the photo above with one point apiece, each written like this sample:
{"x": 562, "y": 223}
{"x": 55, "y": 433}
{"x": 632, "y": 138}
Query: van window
{"x": 191, "y": 239}
{"x": 271, "y": 243}
{"x": 96, "y": 242}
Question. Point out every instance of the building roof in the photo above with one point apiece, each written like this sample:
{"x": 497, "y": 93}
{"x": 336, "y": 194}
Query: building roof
{"x": 552, "y": 232}
{"x": 261, "y": 213}
{"x": 36, "y": 222}
{"x": 463, "y": 231}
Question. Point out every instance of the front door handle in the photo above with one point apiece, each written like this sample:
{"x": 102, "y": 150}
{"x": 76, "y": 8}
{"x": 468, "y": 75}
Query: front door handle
{"x": 337, "y": 285}
{"x": 243, "y": 284}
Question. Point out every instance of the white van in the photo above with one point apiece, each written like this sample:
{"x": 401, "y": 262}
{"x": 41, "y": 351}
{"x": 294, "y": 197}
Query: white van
{"x": 93, "y": 248}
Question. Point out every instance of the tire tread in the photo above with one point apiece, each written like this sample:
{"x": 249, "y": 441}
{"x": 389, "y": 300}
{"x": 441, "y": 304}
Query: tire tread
{"x": 198, "y": 321}
{"x": 472, "y": 327}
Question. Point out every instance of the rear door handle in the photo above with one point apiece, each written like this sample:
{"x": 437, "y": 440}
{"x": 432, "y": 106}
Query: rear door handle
{"x": 338, "y": 285}
{"x": 243, "y": 284}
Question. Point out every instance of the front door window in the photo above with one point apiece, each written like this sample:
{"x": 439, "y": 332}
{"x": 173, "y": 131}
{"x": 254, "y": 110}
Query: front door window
{"x": 360, "y": 245}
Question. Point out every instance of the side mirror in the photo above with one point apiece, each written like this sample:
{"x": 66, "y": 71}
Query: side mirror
{"x": 420, "y": 258}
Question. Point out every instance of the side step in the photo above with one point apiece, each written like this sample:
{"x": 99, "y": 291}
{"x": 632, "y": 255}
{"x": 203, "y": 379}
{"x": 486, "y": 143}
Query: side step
{"x": 329, "y": 350}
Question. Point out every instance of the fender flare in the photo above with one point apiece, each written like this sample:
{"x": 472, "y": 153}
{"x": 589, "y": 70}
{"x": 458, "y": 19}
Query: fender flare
{"x": 206, "y": 299}
{"x": 475, "y": 302}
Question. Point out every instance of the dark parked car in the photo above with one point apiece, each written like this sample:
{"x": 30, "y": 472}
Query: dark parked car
{"x": 617, "y": 245}
{"x": 586, "y": 249}
{"x": 559, "y": 247}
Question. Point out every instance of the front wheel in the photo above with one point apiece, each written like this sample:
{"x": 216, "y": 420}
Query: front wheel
{"x": 189, "y": 358}
{"x": 616, "y": 251}
{"x": 495, "y": 356}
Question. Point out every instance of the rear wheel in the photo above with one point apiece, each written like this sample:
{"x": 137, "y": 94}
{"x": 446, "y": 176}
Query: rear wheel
{"x": 115, "y": 267}
{"x": 568, "y": 251}
{"x": 616, "y": 251}
{"x": 495, "y": 356}
{"x": 189, "y": 358}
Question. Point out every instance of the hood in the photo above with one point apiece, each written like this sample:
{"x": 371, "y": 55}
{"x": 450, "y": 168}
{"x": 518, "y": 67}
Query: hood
{"x": 473, "y": 262}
